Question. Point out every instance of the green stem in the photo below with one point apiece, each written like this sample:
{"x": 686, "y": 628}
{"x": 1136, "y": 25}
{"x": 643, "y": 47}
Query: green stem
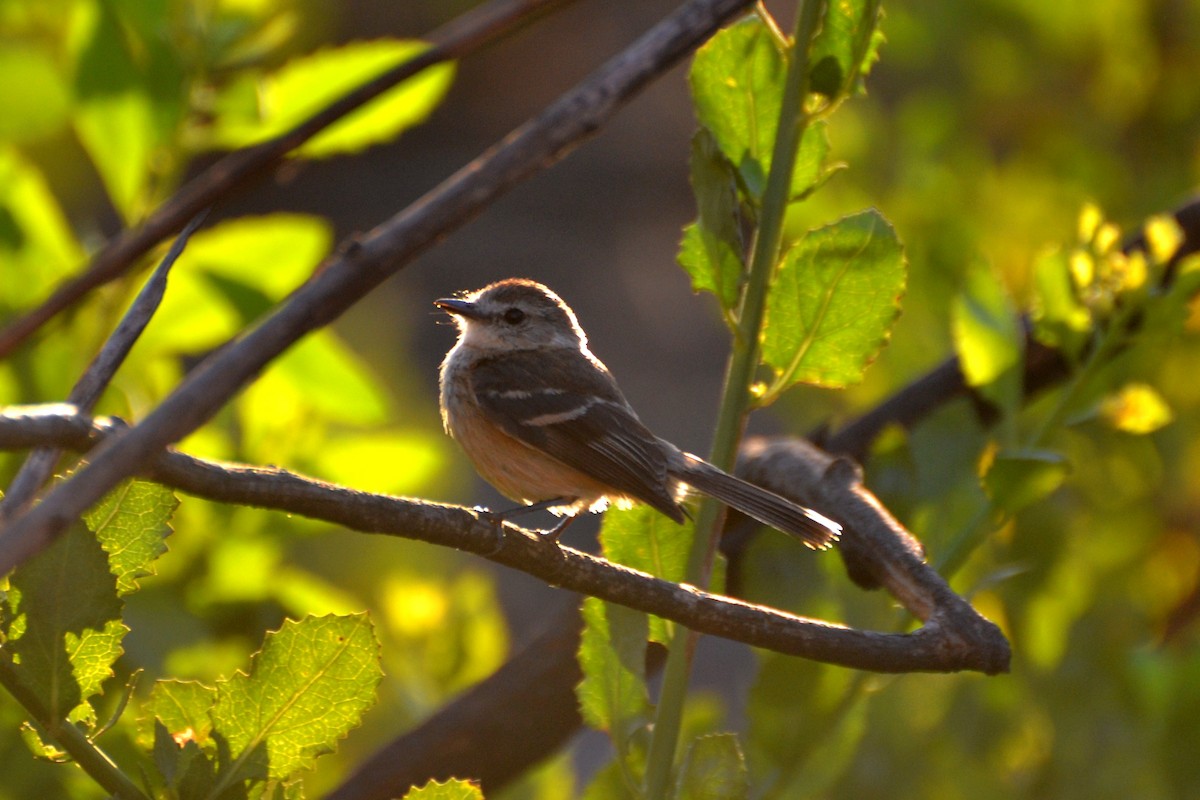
{"x": 72, "y": 740}
{"x": 735, "y": 400}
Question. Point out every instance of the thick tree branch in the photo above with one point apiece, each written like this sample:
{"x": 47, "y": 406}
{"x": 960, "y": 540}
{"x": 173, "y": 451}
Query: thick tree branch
{"x": 358, "y": 269}
{"x": 473, "y": 30}
{"x": 960, "y": 641}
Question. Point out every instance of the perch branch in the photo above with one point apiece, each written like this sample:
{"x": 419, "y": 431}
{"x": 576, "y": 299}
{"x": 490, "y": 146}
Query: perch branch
{"x": 936, "y": 648}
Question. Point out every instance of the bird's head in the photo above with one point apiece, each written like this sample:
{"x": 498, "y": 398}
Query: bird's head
{"x": 514, "y": 314}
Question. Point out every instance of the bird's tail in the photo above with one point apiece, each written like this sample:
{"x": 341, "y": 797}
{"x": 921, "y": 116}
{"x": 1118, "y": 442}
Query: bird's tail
{"x": 815, "y": 530}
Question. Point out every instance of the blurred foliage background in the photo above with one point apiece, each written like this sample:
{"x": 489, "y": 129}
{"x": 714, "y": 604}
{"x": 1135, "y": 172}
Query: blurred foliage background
{"x": 988, "y": 124}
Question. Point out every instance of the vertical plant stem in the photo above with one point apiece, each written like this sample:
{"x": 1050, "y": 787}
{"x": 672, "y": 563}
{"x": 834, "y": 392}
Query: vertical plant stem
{"x": 735, "y": 399}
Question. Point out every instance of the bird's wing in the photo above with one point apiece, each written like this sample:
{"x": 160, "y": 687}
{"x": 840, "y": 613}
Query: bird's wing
{"x": 568, "y": 406}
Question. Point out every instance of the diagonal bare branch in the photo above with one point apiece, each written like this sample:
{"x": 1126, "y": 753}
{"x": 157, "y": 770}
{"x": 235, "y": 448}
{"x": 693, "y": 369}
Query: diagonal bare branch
{"x": 358, "y": 269}
{"x": 466, "y": 34}
{"x": 99, "y": 373}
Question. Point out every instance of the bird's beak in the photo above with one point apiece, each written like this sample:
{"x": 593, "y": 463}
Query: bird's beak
{"x": 458, "y": 307}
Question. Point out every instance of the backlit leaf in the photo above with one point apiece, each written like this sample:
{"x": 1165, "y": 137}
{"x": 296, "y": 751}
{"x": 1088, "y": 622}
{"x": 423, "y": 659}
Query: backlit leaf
{"x": 988, "y": 337}
{"x": 612, "y": 653}
{"x": 64, "y": 623}
{"x": 281, "y": 100}
{"x": 452, "y": 789}
{"x": 307, "y": 687}
{"x": 647, "y": 540}
{"x": 737, "y": 86}
{"x": 845, "y": 47}
{"x": 131, "y": 523}
{"x": 834, "y": 301}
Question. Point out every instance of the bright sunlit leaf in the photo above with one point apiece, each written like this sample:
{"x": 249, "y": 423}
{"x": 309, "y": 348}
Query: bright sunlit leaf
{"x": 63, "y": 623}
{"x": 281, "y": 100}
{"x": 115, "y": 116}
{"x": 132, "y": 522}
{"x": 646, "y": 540}
{"x": 1060, "y": 319}
{"x": 182, "y": 707}
{"x": 1090, "y": 219}
{"x": 37, "y": 245}
{"x": 270, "y": 255}
{"x": 988, "y": 337}
{"x": 390, "y": 462}
{"x": 452, "y": 789}
{"x": 319, "y": 373}
{"x": 1136, "y": 408}
{"x": 737, "y": 86}
{"x": 833, "y": 302}
{"x": 448, "y": 633}
{"x": 612, "y": 654}
{"x": 36, "y": 98}
{"x": 846, "y": 46}
{"x": 307, "y": 687}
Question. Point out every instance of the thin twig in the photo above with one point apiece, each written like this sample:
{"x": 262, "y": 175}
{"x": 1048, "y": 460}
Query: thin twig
{"x": 356, "y": 270}
{"x": 99, "y": 373}
{"x": 462, "y": 36}
{"x": 71, "y": 739}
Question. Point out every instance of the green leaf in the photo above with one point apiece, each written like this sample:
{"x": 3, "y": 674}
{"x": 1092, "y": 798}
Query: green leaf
{"x": 737, "y": 87}
{"x": 391, "y": 462}
{"x": 115, "y": 116}
{"x": 252, "y": 112}
{"x": 612, "y": 653}
{"x": 713, "y": 769}
{"x": 452, "y": 789}
{"x": 190, "y": 772}
{"x": 1015, "y": 479}
{"x": 64, "y": 623}
{"x": 270, "y": 255}
{"x": 182, "y": 708}
{"x": 307, "y": 687}
{"x": 988, "y": 338}
{"x": 846, "y": 46}
{"x": 36, "y": 98}
{"x": 131, "y": 523}
{"x": 319, "y": 373}
{"x": 37, "y": 245}
{"x": 645, "y": 540}
{"x": 1059, "y": 319}
{"x": 711, "y": 250}
{"x": 833, "y": 303}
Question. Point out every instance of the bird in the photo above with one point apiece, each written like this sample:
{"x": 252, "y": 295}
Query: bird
{"x": 544, "y": 421}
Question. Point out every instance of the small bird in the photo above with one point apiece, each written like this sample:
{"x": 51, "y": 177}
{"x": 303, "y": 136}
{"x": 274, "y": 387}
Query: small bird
{"x": 545, "y": 423}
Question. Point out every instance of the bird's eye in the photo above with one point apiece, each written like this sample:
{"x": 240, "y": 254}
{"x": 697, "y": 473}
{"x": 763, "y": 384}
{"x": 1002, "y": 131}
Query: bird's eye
{"x": 514, "y": 316}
